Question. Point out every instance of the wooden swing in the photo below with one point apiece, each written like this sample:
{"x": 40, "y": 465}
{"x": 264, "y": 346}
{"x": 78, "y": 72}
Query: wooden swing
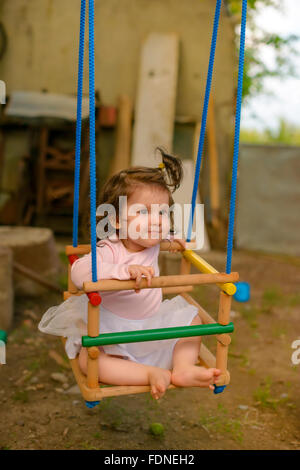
{"x": 93, "y": 391}
{"x": 179, "y": 284}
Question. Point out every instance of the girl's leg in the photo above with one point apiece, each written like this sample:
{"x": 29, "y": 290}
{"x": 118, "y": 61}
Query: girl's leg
{"x": 185, "y": 373}
{"x": 115, "y": 371}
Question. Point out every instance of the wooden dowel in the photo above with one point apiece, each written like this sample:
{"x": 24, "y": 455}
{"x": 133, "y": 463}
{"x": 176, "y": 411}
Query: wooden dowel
{"x": 78, "y": 250}
{"x": 176, "y": 290}
{"x": 165, "y": 291}
{"x": 206, "y": 358}
{"x": 205, "y": 317}
{"x": 224, "y": 339}
{"x": 213, "y": 165}
{"x": 222, "y": 349}
{"x": 93, "y": 319}
{"x": 19, "y": 268}
{"x": 224, "y": 308}
{"x": 164, "y": 246}
{"x": 121, "y": 159}
{"x": 221, "y": 357}
{"x": 71, "y": 286}
{"x": 160, "y": 281}
{"x": 93, "y": 330}
{"x": 185, "y": 266}
{"x": 92, "y": 373}
{"x": 126, "y": 390}
{"x": 68, "y": 294}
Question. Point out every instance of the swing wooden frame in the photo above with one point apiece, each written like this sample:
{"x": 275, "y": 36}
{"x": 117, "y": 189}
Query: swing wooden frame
{"x": 90, "y": 387}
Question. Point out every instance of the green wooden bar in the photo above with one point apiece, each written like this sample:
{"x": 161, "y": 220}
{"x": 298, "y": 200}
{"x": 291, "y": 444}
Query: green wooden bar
{"x": 153, "y": 335}
{"x": 3, "y": 336}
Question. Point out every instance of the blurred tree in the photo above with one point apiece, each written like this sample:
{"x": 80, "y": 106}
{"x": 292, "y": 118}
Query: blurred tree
{"x": 256, "y": 69}
{"x": 286, "y": 133}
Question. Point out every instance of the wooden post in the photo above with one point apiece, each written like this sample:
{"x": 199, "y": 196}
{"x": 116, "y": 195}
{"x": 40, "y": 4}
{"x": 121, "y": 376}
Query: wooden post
{"x": 93, "y": 352}
{"x": 71, "y": 286}
{"x": 41, "y": 171}
{"x": 213, "y": 164}
{"x": 121, "y": 159}
{"x": 92, "y": 369}
{"x": 222, "y": 340}
{"x": 185, "y": 266}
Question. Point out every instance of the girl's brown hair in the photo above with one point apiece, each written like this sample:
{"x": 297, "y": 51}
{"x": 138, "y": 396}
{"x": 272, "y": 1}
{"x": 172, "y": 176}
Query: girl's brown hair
{"x": 123, "y": 183}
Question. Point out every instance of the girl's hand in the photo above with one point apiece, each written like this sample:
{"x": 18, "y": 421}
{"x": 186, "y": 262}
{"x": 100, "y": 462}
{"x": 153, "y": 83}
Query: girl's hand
{"x": 136, "y": 272}
{"x": 181, "y": 242}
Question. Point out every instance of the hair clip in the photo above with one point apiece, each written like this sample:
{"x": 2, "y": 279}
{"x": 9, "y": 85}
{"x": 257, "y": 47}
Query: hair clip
{"x": 161, "y": 165}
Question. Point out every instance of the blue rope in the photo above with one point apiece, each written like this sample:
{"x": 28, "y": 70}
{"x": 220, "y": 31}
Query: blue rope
{"x": 204, "y": 116}
{"x": 92, "y": 140}
{"x": 236, "y": 138}
{"x": 78, "y": 125}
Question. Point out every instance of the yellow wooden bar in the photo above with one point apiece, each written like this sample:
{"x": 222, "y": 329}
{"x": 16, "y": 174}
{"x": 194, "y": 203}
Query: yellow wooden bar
{"x": 205, "y": 267}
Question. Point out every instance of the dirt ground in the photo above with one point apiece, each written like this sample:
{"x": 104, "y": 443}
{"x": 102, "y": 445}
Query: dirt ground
{"x": 260, "y": 409}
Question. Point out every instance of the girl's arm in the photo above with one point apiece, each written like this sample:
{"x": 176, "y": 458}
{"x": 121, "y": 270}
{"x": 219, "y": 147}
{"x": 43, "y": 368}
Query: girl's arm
{"x": 81, "y": 270}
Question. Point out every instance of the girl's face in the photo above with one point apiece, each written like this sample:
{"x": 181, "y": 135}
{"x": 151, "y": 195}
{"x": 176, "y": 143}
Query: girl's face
{"x": 146, "y": 221}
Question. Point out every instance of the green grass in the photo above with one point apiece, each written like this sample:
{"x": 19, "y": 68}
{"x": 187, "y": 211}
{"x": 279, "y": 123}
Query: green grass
{"x": 38, "y": 363}
{"x": 262, "y": 395}
{"x": 279, "y": 331}
{"x": 220, "y": 422}
{"x": 272, "y": 297}
{"x": 232, "y": 427}
{"x": 21, "y": 395}
{"x": 293, "y": 300}
{"x": 19, "y": 335}
{"x": 88, "y": 446}
{"x": 34, "y": 365}
{"x": 250, "y": 314}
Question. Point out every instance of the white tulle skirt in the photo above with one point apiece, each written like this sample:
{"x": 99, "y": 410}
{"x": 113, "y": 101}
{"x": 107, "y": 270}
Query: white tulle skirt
{"x": 69, "y": 320}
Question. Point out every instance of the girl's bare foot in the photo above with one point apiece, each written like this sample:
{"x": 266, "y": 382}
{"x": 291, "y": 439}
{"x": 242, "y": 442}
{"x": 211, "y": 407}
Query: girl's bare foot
{"x": 159, "y": 380}
{"x": 194, "y": 376}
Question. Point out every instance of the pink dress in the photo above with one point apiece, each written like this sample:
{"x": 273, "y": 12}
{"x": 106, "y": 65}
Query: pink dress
{"x": 120, "y": 310}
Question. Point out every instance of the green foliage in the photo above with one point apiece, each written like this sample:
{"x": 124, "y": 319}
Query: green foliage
{"x": 286, "y": 134}
{"x": 255, "y": 68}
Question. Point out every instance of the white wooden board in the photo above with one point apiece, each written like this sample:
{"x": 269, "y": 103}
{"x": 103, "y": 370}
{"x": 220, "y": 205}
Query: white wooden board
{"x": 156, "y": 98}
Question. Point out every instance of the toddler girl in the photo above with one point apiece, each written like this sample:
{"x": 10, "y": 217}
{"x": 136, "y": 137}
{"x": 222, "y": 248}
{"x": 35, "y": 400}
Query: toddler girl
{"x": 131, "y": 252}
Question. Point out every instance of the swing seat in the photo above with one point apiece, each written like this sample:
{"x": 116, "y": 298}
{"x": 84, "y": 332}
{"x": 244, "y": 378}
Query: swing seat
{"x": 93, "y": 391}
